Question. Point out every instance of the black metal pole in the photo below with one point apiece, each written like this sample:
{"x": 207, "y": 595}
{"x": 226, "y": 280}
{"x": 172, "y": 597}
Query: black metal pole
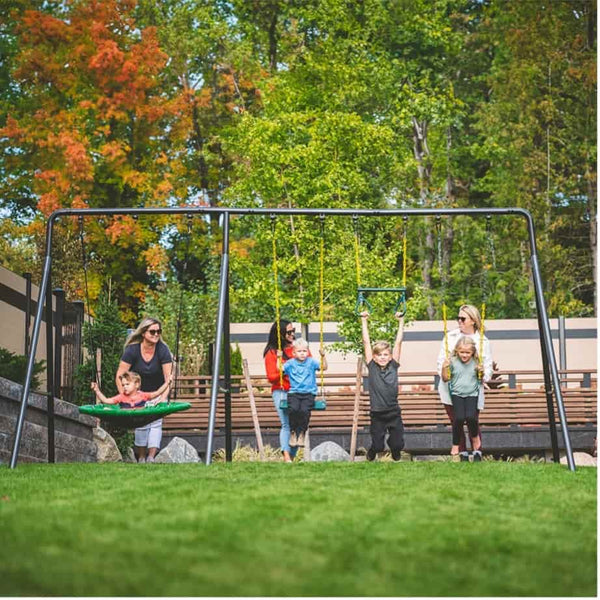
{"x": 546, "y": 340}
{"x": 34, "y": 341}
{"x": 227, "y": 376}
{"x": 223, "y": 279}
{"x": 549, "y": 399}
{"x": 50, "y": 371}
{"x": 27, "y": 277}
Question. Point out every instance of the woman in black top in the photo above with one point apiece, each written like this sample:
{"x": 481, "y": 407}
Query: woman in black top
{"x": 146, "y": 354}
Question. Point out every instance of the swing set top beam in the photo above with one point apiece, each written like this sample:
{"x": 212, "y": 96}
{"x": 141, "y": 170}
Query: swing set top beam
{"x": 316, "y": 212}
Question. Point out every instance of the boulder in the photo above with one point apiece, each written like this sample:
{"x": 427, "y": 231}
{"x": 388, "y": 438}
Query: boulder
{"x": 130, "y": 456}
{"x": 582, "y": 459}
{"x": 107, "y": 450}
{"x": 329, "y": 452}
{"x": 178, "y": 451}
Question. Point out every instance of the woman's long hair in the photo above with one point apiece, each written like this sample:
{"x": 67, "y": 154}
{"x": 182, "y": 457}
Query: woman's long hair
{"x": 473, "y": 313}
{"x": 138, "y": 335}
{"x": 272, "y": 341}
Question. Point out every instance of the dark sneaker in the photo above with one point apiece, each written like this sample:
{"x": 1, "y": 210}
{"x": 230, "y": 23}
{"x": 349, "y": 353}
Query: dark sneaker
{"x": 477, "y": 456}
{"x": 396, "y": 455}
{"x": 371, "y": 455}
{"x": 464, "y": 457}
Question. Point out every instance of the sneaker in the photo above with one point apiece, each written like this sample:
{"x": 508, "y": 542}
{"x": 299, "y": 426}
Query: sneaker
{"x": 396, "y": 455}
{"x": 301, "y": 438}
{"x": 293, "y": 439}
{"x": 464, "y": 457}
{"x": 477, "y": 456}
{"x": 150, "y": 459}
{"x": 371, "y": 455}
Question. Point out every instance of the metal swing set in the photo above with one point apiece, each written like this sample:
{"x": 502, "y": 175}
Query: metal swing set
{"x": 222, "y": 337}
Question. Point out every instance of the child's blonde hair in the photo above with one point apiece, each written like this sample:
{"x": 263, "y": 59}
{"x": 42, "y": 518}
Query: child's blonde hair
{"x": 299, "y": 343}
{"x": 465, "y": 340}
{"x": 133, "y": 377}
{"x": 380, "y": 346}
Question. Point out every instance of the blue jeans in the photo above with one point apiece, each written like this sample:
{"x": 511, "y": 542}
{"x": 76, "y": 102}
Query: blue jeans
{"x": 284, "y": 433}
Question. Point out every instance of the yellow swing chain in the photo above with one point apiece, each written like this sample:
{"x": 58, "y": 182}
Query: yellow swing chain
{"x": 356, "y": 250}
{"x": 322, "y": 299}
{"x": 438, "y": 226}
{"x": 481, "y": 334}
{"x": 404, "y": 236}
{"x": 446, "y": 348}
{"x": 276, "y": 294}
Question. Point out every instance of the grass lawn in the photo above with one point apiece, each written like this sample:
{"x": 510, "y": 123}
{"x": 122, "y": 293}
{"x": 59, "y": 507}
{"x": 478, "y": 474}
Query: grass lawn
{"x": 308, "y": 529}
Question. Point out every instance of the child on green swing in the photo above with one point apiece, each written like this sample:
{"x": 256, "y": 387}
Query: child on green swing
{"x": 131, "y": 397}
{"x": 301, "y": 371}
{"x": 382, "y": 364}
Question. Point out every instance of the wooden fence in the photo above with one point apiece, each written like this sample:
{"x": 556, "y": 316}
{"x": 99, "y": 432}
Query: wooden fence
{"x": 517, "y": 398}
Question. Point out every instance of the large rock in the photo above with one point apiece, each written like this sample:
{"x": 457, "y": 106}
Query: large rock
{"x": 329, "y": 452}
{"x": 178, "y": 451}
{"x": 582, "y": 459}
{"x": 107, "y": 447}
{"x": 130, "y": 456}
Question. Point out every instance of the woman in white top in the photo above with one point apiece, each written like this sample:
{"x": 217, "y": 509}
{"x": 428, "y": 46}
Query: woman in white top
{"x": 469, "y": 324}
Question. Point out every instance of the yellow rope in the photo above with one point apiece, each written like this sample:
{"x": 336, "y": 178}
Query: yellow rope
{"x": 404, "y": 259}
{"x": 357, "y": 257}
{"x": 277, "y": 313}
{"x": 481, "y": 333}
{"x": 446, "y": 349}
{"x": 321, "y": 302}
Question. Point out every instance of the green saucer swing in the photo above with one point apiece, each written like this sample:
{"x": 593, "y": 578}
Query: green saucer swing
{"x": 130, "y": 418}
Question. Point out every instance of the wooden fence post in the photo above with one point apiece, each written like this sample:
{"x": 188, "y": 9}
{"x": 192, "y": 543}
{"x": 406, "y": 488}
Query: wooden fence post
{"x": 353, "y": 437}
{"x": 259, "y": 441}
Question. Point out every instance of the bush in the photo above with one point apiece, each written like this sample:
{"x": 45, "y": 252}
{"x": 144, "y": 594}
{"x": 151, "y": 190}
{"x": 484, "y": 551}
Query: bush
{"x": 14, "y": 367}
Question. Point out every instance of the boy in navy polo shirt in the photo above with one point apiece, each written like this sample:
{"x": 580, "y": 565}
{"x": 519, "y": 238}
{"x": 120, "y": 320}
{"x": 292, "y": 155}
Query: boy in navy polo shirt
{"x": 301, "y": 371}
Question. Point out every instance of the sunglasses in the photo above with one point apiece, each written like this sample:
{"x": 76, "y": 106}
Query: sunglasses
{"x": 289, "y": 331}
{"x": 154, "y": 331}
{"x": 461, "y": 319}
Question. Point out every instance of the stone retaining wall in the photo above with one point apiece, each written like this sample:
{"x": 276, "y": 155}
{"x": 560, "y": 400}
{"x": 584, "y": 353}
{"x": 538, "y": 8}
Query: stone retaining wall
{"x": 74, "y": 440}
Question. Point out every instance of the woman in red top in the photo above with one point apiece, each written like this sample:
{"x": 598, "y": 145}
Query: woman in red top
{"x": 280, "y": 384}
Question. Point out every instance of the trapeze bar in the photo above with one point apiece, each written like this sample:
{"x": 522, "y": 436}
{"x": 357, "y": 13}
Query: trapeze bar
{"x": 381, "y": 289}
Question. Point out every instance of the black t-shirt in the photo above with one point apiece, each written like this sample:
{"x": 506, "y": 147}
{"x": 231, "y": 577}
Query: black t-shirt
{"x": 151, "y": 372}
{"x": 383, "y": 386}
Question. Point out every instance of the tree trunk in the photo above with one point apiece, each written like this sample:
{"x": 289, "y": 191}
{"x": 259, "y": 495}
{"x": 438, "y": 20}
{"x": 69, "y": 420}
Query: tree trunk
{"x": 273, "y": 41}
{"x": 426, "y": 246}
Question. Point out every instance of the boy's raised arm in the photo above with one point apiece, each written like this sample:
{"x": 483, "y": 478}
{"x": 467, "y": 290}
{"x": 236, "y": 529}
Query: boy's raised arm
{"x": 399, "y": 336}
{"x": 365, "y": 337}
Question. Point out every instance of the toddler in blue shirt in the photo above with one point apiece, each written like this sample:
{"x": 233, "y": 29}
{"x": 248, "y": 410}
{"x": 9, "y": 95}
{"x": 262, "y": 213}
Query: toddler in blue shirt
{"x": 301, "y": 371}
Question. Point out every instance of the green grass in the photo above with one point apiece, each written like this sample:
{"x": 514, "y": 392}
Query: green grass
{"x": 251, "y": 529}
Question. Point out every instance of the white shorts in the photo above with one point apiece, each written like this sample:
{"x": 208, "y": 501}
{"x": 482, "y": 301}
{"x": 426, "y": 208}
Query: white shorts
{"x": 149, "y": 436}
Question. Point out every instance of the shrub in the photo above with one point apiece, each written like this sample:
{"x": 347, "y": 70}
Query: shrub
{"x": 14, "y": 367}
